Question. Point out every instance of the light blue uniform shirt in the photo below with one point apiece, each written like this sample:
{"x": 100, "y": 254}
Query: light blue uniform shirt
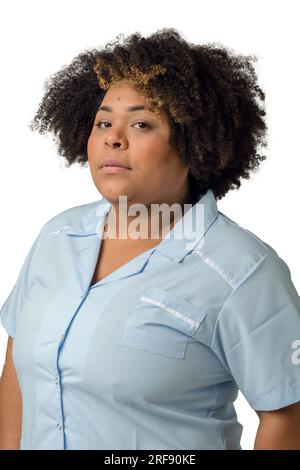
{"x": 153, "y": 355}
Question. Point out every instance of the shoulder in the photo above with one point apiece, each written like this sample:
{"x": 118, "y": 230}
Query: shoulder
{"x": 72, "y": 217}
{"x": 232, "y": 250}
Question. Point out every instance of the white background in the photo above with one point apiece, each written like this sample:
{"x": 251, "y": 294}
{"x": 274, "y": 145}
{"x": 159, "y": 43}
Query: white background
{"x": 37, "y": 38}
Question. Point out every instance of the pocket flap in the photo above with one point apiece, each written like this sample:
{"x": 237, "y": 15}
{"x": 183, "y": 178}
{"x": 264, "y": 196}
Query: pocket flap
{"x": 161, "y": 323}
{"x": 179, "y": 307}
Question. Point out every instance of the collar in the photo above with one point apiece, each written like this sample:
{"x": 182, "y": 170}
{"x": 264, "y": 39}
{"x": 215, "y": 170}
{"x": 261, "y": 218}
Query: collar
{"x": 186, "y": 234}
{"x": 189, "y": 231}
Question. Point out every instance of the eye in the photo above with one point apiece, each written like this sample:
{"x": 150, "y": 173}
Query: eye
{"x": 142, "y": 122}
{"x": 98, "y": 124}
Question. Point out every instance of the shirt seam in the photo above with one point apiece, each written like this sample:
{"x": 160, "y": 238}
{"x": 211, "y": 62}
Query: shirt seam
{"x": 255, "y": 398}
{"x": 216, "y": 267}
{"x": 252, "y": 270}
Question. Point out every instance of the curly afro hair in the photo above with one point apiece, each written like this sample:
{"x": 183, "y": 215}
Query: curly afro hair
{"x": 210, "y": 95}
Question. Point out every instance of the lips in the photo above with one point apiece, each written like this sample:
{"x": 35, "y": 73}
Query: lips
{"x": 113, "y": 162}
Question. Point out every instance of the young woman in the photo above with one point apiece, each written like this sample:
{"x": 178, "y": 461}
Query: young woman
{"x": 125, "y": 342}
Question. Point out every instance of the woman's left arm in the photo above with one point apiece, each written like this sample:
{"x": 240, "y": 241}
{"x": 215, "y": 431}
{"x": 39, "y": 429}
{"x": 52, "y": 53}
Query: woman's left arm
{"x": 279, "y": 429}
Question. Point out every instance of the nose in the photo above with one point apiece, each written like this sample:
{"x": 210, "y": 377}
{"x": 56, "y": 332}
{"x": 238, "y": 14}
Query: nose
{"x": 115, "y": 142}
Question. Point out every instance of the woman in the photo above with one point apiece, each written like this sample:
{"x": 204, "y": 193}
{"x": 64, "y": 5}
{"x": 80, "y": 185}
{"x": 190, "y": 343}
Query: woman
{"x": 140, "y": 342}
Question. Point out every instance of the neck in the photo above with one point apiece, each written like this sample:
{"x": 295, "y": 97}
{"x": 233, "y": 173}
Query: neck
{"x": 147, "y": 222}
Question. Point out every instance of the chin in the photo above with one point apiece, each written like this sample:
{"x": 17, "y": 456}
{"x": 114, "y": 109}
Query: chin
{"x": 112, "y": 193}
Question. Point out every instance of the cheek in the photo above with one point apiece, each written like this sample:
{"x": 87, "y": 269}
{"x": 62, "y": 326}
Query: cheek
{"x": 150, "y": 155}
{"x": 91, "y": 148}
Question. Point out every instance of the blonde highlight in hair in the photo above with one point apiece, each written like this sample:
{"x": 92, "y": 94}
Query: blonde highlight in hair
{"x": 143, "y": 81}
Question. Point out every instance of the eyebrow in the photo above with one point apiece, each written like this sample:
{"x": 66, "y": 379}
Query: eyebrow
{"x": 136, "y": 107}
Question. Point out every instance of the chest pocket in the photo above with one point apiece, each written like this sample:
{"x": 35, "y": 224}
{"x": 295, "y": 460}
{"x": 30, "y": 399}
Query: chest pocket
{"x": 161, "y": 323}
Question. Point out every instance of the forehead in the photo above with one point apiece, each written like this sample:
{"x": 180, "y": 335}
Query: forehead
{"x": 126, "y": 98}
{"x": 122, "y": 92}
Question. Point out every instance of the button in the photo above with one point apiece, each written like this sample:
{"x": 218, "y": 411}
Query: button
{"x": 56, "y": 380}
{"x": 58, "y": 426}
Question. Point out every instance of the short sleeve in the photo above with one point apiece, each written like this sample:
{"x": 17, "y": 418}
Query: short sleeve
{"x": 257, "y": 335}
{"x": 10, "y": 309}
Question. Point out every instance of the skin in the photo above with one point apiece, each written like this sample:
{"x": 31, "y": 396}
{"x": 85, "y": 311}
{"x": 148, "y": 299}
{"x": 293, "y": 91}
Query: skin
{"x": 153, "y": 162}
{"x": 279, "y": 429}
{"x": 10, "y": 403}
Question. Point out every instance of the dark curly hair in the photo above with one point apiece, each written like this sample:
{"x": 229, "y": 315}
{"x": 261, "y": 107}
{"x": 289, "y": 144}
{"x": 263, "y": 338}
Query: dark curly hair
{"x": 210, "y": 95}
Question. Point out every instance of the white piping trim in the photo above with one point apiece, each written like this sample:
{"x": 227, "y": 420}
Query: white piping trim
{"x": 66, "y": 227}
{"x": 216, "y": 267}
{"x": 171, "y": 310}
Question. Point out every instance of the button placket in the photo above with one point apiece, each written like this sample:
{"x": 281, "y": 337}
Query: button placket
{"x": 56, "y": 380}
